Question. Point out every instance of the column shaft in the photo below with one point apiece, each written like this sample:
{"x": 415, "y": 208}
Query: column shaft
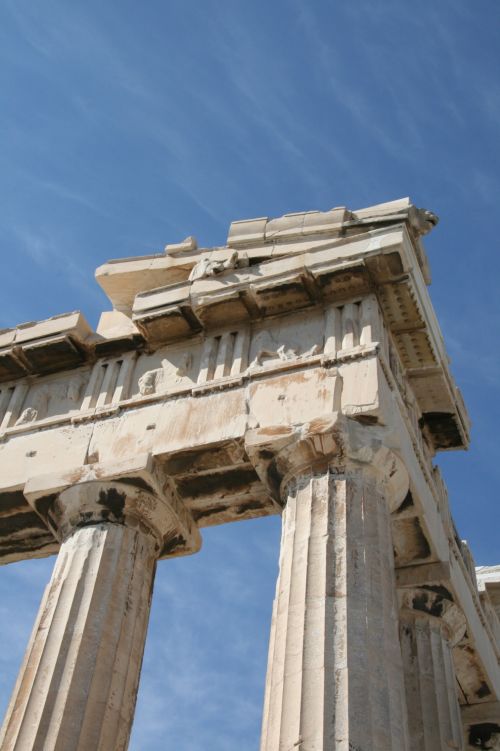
{"x": 434, "y": 714}
{"x": 334, "y": 680}
{"x": 77, "y": 687}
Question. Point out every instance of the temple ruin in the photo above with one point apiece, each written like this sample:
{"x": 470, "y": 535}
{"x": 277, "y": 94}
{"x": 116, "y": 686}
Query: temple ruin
{"x": 298, "y": 370}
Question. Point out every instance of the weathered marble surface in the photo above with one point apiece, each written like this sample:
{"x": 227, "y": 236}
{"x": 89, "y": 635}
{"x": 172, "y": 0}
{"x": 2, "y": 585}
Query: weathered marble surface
{"x": 335, "y": 676}
{"x": 430, "y": 625}
{"x": 78, "y": 683}
{"x": 299, "y": 370}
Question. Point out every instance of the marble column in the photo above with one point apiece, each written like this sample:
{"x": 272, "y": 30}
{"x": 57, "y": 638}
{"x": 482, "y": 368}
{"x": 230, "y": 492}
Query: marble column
{"x": 77, "y": 687}
{"x": 335, "y": 679}
{"x": 430, "y": 624}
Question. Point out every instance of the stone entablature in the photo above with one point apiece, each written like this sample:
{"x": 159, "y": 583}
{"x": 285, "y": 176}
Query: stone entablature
{"x": 305, "y": 273}
{"x": 307, "y": 345}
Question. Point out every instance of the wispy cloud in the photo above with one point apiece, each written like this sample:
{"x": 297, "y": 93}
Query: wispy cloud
{"x": 66, "y": 192}
{"x": 47, "y": 250}
{"x": 124, "y": 121}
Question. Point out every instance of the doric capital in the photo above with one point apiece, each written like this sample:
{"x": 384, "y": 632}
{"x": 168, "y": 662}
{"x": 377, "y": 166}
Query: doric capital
{"x": 138, "y": 497}
{"x": 436, "y": 604}
{"x": 282, "y": 453}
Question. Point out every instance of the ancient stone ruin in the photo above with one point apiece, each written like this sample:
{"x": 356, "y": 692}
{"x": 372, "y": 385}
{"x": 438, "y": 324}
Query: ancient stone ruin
{"x": 298, "y": 370}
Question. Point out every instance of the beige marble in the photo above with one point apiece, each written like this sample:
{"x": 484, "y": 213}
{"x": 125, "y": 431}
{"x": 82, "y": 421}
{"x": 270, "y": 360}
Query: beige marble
{"x": 78, "y": 683}
{"x": 430, "y": 625}
{"x": 299, "y": 369}
{"x": 334, "y": 678}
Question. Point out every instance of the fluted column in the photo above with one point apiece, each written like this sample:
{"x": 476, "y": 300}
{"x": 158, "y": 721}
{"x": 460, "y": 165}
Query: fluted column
{"x": 77, "y": 686}
{"x": 430, "y": 625}
{"x": 334, "y": 679}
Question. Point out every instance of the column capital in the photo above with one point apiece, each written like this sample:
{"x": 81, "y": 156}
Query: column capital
{"x": 434, "y": 604}
{"x": 283, "y": 453}
{"x": 334, "y": 652}
{"x": 140, "y": 497}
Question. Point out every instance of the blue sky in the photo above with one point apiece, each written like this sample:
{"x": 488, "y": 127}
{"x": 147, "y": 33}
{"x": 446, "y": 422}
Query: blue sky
{"x": 125, "y": 125}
